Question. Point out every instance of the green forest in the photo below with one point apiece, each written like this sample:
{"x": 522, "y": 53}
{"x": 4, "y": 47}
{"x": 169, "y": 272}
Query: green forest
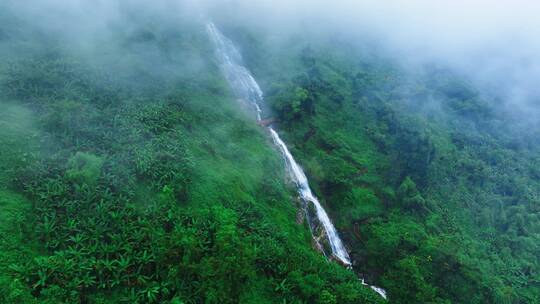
{"x": 440, "y": 206}
{"x": 130, "y": 174}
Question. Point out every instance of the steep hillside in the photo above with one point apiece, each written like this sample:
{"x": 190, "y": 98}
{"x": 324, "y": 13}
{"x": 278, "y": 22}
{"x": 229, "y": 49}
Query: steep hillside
{"x": 129, "y": 175}
{"x": 434, "y": 190}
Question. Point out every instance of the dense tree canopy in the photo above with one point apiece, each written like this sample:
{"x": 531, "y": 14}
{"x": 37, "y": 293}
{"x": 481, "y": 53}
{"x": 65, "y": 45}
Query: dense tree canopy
{"x": 433, "y": 188}
{"x": 130, "y": 174}
{"x": 135, "y": 179}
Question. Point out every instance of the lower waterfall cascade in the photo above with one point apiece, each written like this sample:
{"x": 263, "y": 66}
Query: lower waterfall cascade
{"x": 247, "y": 89}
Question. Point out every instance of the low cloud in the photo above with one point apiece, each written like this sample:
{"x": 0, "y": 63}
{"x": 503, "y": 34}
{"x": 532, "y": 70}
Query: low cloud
{"x": 494, "y": 43}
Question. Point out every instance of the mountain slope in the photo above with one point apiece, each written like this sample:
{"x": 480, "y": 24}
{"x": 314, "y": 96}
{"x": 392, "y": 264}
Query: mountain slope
{"x": 130, "y": 176}
{"x": 435, "y": 192}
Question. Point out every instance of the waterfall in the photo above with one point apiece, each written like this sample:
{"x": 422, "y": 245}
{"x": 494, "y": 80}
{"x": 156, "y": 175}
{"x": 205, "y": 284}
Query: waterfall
{"x": 298, "y": 176}
{"x": 245, "y": 87}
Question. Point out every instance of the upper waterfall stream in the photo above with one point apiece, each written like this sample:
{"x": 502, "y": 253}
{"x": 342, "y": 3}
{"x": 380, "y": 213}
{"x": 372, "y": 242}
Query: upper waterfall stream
{"x": 246, "y": 88}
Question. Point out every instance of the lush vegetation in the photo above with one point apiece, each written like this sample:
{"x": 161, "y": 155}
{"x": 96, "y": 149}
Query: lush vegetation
{"x": 433, "y": 188}
{"x": 129, "y": 176}
{"x": 128, "y": 173}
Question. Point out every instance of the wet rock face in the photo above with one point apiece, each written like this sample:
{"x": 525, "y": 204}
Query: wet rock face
{"x": 300, "y": 216}
{"x": 340, "y": 262}
{"x": 266, "y": 122}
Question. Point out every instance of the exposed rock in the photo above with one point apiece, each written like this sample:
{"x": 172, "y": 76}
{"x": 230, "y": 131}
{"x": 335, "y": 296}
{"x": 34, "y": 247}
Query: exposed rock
{"x": 266, "y": 122}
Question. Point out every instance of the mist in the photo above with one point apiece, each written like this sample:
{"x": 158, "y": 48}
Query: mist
{"x": 495, "y": 45}
{"x": 100, "y": 32}
{"x": 146, "y": 146}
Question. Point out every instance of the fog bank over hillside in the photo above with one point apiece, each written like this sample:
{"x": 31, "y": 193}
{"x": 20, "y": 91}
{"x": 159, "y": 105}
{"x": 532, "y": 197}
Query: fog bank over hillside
{"x": 494, "y": 43}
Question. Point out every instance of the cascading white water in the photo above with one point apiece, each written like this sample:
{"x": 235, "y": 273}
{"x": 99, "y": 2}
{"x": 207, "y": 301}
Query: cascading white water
{"x": 245, "y": 87}
{"x": 298, "y": 176}
{"x": 239, "y": 78}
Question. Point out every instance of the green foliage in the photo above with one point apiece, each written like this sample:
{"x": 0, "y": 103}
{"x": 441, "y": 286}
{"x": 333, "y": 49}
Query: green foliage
{"x": 407, "y": 282}
{"x": 434, "y": 192}
{"x": 140, "y": 182}
{"x": 84, "y": 168}
{"x": 134, "y": 178}
{"x": 362, "y": 204}
{"x": 409, "y": 197}
{"x": 294, "y": 102}
{"x": 327, "y": 298}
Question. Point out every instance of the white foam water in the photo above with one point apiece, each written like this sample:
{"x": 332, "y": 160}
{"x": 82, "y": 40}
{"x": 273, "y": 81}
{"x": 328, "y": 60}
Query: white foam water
{"x": 246, "y": 88}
